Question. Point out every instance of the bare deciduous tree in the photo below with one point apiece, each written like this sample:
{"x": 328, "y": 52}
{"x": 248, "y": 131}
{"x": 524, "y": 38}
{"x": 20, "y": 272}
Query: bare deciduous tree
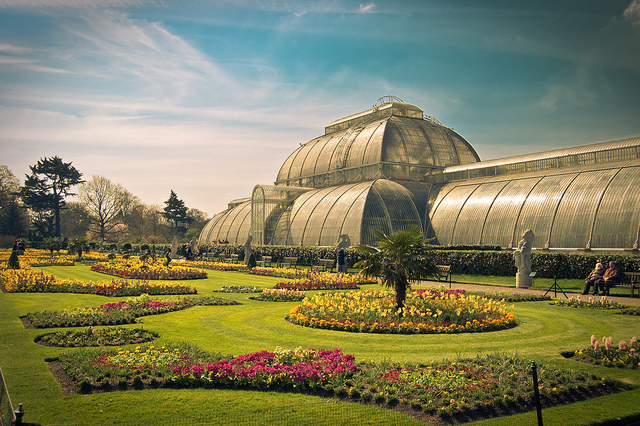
{"x": 107, "y": 203}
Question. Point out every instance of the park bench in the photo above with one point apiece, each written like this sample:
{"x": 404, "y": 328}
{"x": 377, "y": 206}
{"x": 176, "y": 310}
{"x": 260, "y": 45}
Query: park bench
{"x": 290, "y": 262}
{"x": 265, "y": 260}
{"x": 444, "y": 271}
{"x": 234, "y": 258}
{"x": 325, "y": 264}
{"x": 631, "y": 280}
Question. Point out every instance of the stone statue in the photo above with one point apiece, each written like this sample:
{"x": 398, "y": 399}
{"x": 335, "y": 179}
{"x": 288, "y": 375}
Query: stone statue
{"x": 522, "y": 258}
{"x": 343, "y": 242}
{"x": 174, "y": 248}
{"x": 194, "y": 246}
{"x": 247, "y": 249}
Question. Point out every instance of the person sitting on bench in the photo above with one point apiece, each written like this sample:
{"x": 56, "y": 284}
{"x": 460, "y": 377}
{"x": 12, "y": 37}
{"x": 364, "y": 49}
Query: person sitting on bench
{"x": 612, "y": 277}
{"x": 595, "y": 279}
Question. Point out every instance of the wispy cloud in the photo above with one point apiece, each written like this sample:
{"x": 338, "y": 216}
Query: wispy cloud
{"x": 366, "y": 8}
{"x": 88, "y": 4}
{"x": 12, "y": 49}
{"x": 632, "y": 12}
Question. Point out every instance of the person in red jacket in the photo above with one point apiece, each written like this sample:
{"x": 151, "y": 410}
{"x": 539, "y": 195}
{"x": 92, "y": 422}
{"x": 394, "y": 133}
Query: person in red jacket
{"x": 612, "y": 277}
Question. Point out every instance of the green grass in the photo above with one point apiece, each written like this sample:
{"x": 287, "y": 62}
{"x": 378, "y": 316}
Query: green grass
{"x": 544, "y": 331}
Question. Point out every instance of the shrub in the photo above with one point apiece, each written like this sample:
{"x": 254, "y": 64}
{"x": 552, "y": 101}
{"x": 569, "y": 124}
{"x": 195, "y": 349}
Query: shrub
{"x": 13, "y": 262}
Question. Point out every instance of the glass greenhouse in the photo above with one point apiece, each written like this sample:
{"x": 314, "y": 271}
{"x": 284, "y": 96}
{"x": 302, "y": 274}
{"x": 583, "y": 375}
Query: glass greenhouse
{"x": 392, "y": 166}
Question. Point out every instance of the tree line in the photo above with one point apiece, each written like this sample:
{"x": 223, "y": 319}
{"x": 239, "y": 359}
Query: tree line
{"x": 102, "y": 211}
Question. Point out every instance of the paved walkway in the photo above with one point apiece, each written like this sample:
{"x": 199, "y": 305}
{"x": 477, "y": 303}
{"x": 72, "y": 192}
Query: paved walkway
{"x": 479, "y": 287}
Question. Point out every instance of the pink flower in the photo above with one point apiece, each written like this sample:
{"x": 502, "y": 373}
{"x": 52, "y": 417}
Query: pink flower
{"x": 596, "y": 346}
{"x": 593, "y": 339}
{"x": 622, "y": 345}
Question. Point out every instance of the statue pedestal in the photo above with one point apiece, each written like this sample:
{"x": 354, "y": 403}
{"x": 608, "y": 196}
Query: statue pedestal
{"x": 523, "y": 280}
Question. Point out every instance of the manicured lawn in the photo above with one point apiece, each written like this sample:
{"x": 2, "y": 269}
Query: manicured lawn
{"x": 544, "y": 331}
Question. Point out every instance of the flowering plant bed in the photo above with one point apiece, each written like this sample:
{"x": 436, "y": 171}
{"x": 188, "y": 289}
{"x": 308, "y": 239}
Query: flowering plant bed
{"x": 239, "y": 289}
{"x": 592, "y": 302}
{"x": 137, "y": 269}
{"x": 36, "y": 281}
{"x": 425, "y": 312}
{"x": 631, "y": 310}
{"x": 623, "y": 356}
{"x": 289, "y": 273}
{"x": 513, "y": 297}
{"x": 137, "y": 288}
{"x": 122, "y": 312}
{"x": 446, "y": 391}
{"x": 276, "y": 295}
{"x": 218, "y": 266}
{"x": 90, "y": 336}
{"x": 323, "y": 281}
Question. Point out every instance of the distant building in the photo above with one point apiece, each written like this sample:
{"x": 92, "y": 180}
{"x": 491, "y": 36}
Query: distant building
{"x": 392, "y": 166}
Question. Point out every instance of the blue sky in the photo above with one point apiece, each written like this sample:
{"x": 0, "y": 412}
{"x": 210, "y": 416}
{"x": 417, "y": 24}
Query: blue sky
{"x": 208, "y": 98}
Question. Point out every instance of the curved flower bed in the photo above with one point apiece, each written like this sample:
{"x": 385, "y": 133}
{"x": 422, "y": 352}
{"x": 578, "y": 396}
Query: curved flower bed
{"x": 469, "y": 387}
{"x": 427, "y": 312}
{"x": 280, "y": 295}
{"x": 137, "y": 269}
{"x": 122, "y": 312}
{"x": 36, "y": 281}
{"x": 324, "y": 281}
{"x": 591, "y": 302}
{"x": 625, "y": 355}
{"x": 181, "y": 366}
{"x": 109, "y": 336}
{"x": 239, "y": 289}
{"x": 218, "y": 266}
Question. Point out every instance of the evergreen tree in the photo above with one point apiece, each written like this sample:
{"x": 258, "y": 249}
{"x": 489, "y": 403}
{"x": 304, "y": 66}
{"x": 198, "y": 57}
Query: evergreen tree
{"x": 176, "y": 213}
{"x": 44, "y": 191}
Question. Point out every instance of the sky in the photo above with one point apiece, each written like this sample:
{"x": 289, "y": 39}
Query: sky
{"x": 209, "y": 98}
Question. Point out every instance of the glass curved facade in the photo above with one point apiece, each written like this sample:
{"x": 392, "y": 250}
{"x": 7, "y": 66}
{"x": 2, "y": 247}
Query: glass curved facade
{"x": 392, "y": 166}
{"x": 393, "y": 147}
{"x": 319, "y": 217}
{"x": 572, "y": 208}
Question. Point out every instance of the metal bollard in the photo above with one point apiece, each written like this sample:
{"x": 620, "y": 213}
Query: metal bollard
{"x": 19, "y": 413}
{"x": 536, "y": 392}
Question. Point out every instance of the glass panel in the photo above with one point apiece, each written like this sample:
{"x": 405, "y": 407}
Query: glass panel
{"x": 359, "y": 148}
{"x": 472, "y": 217}
{"x": 443, "y": 219}
{"x": 501, "y": 219}
{"x": 346, "y": 216}
{"x": 618, "y": 216}
{"x": 572, "y": 226}
{"x": 539, "y": 208}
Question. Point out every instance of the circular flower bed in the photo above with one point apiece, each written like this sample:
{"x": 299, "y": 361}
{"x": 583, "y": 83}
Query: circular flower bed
{"x": 426, "y": 312}
{"x": 90, "y": 336}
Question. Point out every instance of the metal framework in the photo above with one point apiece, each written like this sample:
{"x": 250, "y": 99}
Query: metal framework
{"x": 392, "y": 165}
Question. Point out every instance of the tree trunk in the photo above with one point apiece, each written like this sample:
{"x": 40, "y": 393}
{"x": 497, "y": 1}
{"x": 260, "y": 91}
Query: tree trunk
{"x": 401, "y": 293}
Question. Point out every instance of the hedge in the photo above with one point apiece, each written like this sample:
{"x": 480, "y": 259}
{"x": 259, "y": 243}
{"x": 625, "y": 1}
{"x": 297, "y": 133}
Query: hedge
{"x": 480, "y": 261}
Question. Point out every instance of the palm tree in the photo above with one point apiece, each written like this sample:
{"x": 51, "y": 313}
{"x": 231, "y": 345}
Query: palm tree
{"x": 398, "y": 259}
{"x": 78, "y": 246}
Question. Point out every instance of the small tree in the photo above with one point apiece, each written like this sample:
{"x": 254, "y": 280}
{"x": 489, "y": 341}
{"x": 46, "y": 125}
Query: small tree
{"x": 78, "y": 246}
{"x": 14, "y": 261}
{"x": 52, "y": 244}
{"x": 398, "y": 259}
{"x": 176, "y": 213}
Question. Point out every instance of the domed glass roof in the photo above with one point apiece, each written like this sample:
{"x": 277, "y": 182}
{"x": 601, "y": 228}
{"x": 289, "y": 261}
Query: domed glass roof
{"x": 394, "y": 140}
